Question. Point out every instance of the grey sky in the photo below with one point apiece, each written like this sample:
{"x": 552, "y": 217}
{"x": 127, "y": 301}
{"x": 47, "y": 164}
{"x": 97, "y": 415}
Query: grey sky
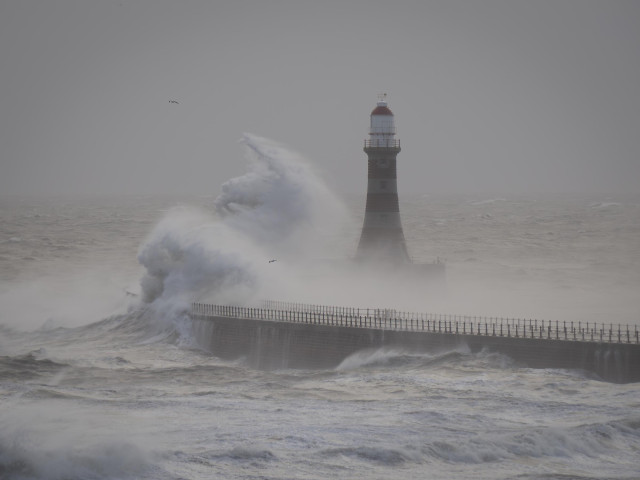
{"x": 489, "y": 96}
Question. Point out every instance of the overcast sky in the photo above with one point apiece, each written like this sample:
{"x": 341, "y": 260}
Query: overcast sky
{"x": 489, "y": 96}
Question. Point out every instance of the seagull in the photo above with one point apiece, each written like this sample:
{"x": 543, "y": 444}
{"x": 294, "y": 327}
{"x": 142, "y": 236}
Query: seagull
{"x": 174, "y": 101}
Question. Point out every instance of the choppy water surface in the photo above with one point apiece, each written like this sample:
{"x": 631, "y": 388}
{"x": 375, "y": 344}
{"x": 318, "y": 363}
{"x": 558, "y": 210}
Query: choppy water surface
{"x": 96, "y": 383}
{"x": 122, "y": 399}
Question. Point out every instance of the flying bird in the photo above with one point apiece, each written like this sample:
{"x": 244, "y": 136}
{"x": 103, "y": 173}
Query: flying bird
{"x": 174, "y": 101}
{"x": 271, "y": 261}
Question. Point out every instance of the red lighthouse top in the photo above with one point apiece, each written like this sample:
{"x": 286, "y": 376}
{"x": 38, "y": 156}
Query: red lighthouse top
{"x": 383, "y": 129}
{"x": 382, "y": 109}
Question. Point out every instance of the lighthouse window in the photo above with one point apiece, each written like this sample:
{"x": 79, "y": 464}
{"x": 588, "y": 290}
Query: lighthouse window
{"x": 383, "y": 184}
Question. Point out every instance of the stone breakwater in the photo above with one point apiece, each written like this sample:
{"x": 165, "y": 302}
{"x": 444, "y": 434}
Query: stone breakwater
{"x": 319, "y": 337}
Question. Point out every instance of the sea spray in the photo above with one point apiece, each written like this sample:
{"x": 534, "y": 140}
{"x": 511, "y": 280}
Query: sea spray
{"x": 63, "y": 296}
{"x": 281, "y": 202}
{"x": 189, "y": 254}
{"x": 273, "y": 212}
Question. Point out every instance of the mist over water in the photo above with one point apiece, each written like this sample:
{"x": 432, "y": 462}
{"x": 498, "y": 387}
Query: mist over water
{"x": 562, "y": 257}
{"x": 100, "y": 376}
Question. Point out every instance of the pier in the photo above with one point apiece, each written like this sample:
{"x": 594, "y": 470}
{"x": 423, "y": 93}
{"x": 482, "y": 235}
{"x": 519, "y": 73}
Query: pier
{"x": 294, "y": 335}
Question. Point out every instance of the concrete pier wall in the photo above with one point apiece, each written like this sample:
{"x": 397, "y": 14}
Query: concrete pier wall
{"x": 269, "y": 344}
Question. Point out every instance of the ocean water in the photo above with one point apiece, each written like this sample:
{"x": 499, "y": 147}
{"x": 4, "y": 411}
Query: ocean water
{"x": 101, "y": 376}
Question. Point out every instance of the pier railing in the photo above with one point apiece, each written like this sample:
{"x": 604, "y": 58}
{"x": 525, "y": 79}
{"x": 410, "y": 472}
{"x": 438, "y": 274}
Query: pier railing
{"x": 388, "y": 319}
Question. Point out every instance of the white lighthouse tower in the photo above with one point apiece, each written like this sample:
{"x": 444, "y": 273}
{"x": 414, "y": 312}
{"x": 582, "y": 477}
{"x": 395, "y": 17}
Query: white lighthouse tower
{"x": 382, "y": 237}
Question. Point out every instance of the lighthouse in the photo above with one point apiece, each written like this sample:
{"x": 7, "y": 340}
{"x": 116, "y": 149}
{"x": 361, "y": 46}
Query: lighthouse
{"x": 382, "y": 238}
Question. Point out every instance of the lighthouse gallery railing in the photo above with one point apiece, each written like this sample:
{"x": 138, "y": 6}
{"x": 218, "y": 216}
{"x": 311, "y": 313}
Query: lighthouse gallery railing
{"x": 388, "y": 319}
{"x": 382, "y": 143}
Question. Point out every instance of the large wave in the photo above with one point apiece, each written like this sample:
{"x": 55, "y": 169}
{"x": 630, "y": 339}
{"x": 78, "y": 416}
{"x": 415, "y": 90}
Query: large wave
{"x": 275, "y": 211}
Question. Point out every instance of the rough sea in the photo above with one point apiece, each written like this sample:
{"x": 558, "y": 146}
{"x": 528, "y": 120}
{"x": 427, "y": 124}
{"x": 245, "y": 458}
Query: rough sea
{"x": 101, "y": 376}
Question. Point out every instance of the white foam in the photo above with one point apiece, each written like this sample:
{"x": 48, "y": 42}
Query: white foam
{"x": 603, "y": 205}
{"x": 59, "y": 442}
{"x": 368, "y": 357}
{"x": 488, "y": 201}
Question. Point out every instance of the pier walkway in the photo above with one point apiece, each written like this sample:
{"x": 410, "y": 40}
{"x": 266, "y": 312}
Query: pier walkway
{"x": 294, "y": 335}
{"x": 387, "y": 319}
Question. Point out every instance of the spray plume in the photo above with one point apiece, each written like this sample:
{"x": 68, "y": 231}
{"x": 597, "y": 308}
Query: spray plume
{"x": 274, "y": 211}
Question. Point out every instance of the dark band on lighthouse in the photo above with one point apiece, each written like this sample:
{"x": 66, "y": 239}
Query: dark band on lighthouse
{"x": 382, "y": 237}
